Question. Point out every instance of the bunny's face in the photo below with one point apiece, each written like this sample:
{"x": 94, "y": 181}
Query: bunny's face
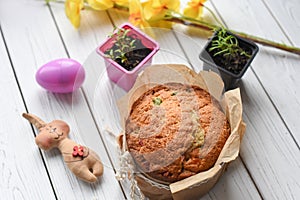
{"x": 51, "y": 134}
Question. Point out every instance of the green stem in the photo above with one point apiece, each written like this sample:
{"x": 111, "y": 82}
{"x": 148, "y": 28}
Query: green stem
{"x": 188, "y": 21}
{"x": 213, "y": 14}
{"x": 265, "y": 42}
{"x": 211, "y": 27}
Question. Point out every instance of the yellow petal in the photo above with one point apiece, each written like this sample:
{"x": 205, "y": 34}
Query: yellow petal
{"x": 200, "y": 12}
{"x": 72, "y": 10}
{"x": 134, "y": 12}
{"x": 136, "y": 16}
{"x": 156, "y": 3}
{"x": 157, "y": 9}
{"x": 153, "y": 12}
{"x": 191, "y": 12}
{"x": 194, "y": 8}
{"x": 172, "y": 4}
{"x": 100, "y": 4}
{"x": 148, "y": 10}
{"x": 135, "y": 6}
{"x": 196, "y": 2}
{"x": 122, "y": 2}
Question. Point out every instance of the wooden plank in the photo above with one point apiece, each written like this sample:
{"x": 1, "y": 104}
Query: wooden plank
{"x": 287, "y": 14}
{"x": 22, "y": 172}
{"x": 284, "y": 66}
{"x": 235, "y": 183}
{"x": 287, "y": 65}
{"x": 95, "y": 26}
{"x": 270, "y": 152}
{"x": 39, "y": 43}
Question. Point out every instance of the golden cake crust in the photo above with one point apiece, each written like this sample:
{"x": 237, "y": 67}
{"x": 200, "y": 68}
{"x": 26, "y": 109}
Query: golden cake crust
{"x": 175, "y": 131}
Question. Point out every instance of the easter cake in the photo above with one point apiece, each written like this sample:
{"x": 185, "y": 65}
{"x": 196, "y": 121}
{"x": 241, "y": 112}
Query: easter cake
{"x": 175, "y": 131}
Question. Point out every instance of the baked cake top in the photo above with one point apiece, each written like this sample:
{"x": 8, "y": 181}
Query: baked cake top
{"x": 175, "y": 131}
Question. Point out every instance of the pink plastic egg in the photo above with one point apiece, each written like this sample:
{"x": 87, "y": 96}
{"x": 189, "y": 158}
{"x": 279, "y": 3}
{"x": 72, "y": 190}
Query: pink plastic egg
{"x": 61, "y": 76}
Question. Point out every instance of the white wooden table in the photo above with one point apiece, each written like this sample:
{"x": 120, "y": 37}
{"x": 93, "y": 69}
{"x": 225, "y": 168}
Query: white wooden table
{"x": 33, "y": 33}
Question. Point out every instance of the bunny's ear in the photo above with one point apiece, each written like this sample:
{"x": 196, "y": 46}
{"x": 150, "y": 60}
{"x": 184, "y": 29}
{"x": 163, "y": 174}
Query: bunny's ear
{"x": 37, "y": 122}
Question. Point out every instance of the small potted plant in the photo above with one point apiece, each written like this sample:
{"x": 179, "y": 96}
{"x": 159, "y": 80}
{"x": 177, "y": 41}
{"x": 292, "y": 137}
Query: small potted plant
{"x": 126, "y": 52}
{"x": 228, "y": 55}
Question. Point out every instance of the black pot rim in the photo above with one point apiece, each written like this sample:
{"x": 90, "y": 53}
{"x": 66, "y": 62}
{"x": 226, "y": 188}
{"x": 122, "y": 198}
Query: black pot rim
{"x": 252, "y": 45}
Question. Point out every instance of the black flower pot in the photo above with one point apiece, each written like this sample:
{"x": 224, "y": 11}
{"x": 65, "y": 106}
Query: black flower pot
{"x": 217, "y": 63}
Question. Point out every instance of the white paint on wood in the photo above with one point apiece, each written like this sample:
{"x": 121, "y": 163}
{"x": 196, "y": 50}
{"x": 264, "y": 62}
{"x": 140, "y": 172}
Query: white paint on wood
{"x": 268, "y": 150}
{"x": 287, "y": 14}
{"x": 22, "y": 172}
{"x": 39, "y": 44}
{"x": 271, "y": 66}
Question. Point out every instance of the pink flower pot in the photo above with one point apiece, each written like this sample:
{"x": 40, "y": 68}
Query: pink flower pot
{"x": 118, "y": 74}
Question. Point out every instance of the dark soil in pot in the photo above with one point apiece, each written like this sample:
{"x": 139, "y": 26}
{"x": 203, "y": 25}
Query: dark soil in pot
{"x": 228, "y": 55}
{"x": 134, "y": 57}
{"x": 234, "y": 64}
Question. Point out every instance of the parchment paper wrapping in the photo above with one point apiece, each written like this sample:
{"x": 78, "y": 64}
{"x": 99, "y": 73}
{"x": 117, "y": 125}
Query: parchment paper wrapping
{"x": 195, "y": 186}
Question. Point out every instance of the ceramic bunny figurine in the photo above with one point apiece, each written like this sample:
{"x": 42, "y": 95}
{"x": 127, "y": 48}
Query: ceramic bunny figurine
{"x": 82, "y": 161}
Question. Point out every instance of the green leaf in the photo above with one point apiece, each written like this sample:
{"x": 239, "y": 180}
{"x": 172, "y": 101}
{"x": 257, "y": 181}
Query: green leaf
{"x": 157, "y": 101}
{"x": 132, "y": 43}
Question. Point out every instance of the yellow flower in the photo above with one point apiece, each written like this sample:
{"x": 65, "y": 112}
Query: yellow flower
{"x": 136, "y": 15}
{"x": 157, "y": 9}
{"x": 100, "y": 4}
{"x": 106, "y": 4}
{"x": 122, "y": 2}
{"x": 72, "y": 9}
{"x": 194, "y": 8}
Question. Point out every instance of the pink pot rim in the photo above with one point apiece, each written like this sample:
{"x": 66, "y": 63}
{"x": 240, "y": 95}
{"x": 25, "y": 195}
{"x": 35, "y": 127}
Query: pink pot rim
{"x": 143, "y": 36}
